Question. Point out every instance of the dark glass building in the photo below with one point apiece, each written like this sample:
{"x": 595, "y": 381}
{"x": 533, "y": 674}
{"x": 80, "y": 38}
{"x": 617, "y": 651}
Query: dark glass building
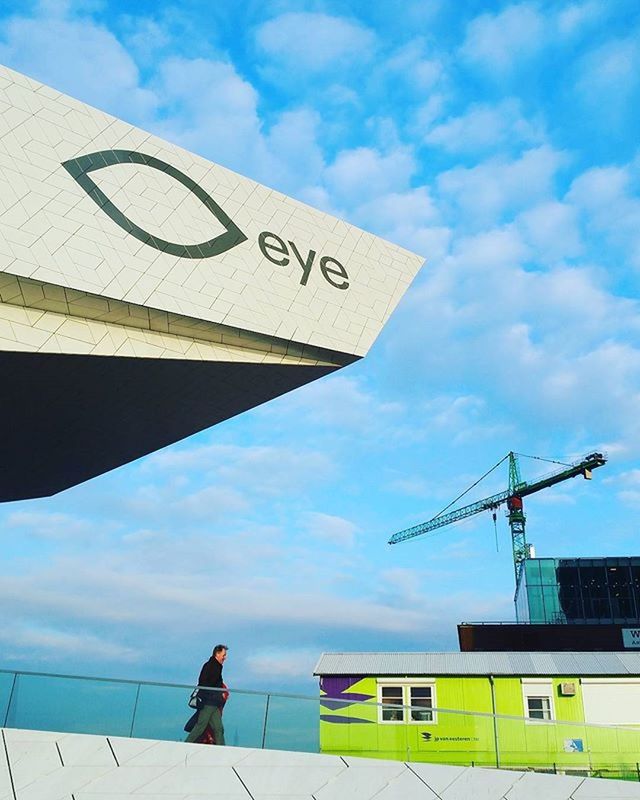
{"x": 579, "y": 590}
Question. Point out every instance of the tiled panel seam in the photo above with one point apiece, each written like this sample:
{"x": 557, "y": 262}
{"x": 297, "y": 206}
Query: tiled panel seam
{"x": 113, "y": 752}
{"x": 246, "y": 788}
{"x": 408, "y": 766}
{"x": 327, "y": 783}
{"x": 571, "y": 796}
{"x": 386, "y": 786}
{"x": 6, "y": 753}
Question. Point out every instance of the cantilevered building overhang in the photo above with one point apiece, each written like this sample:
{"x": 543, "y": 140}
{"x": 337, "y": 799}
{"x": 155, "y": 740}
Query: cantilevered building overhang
{"x": 146, "y": 293}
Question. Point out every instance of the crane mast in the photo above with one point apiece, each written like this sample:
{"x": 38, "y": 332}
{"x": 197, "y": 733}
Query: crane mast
{"x": 513, "y": 499}
{"x": 517, "y": 519}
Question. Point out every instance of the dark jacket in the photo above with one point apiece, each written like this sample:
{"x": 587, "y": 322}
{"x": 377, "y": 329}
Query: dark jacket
{"x": 211, "y": 675}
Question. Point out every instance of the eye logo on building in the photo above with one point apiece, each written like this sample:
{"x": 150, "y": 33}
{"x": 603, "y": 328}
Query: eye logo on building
{"x": 283, "y": 253}
{"x": 79, "y": 169}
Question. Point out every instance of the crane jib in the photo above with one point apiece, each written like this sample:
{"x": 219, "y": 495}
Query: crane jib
{"x": 521, "y": 489}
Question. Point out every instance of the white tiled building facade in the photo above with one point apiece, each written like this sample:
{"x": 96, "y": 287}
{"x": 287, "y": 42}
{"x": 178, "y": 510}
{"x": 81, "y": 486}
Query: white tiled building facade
{"x": 201, "y": 292}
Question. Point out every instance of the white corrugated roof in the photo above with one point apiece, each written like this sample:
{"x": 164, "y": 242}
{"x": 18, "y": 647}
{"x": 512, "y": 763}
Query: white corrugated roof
{"x": 569, "y": 663}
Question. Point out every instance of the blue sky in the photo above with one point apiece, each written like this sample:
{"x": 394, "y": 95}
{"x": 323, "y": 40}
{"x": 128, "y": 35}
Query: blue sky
{"x": 499, "y": 140}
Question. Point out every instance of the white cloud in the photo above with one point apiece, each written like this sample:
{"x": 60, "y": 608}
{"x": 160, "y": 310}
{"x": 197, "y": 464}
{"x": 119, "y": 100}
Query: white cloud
{"x": 293, "y": 663}
{"x": 611, "y": 73}
{"x": 53, "y": 525}
{"x": 627, "y": 485}
{"x": 309, "y": 42}
{"x": 492, "y": 252}
{"x": 426, "y": 115}
{"x": 407, "y": 581}
{"x": 145, "y": 37}
{"x": 211, "y": 109}
{"x": 574, "y": 18}
{"x": 486, "y": 127}
{"x": 412, "y": 65}
{"x": 326, "y": 527}
{"x": 552, "y": 230}
{"x": 497, "y": 42}
{"x": 413, "y": 208}
{"x": 272, "y": 469}
{"x": 212, "y": 503}
{"x": 551, "y": 348}
{"x": 464, "y": 418}
{"x": 339, "y": 403}
{"x": 629, "y": 478}
{"x": 208, "y": 88}
{"x": 432, "y": 242}
{"x": 607, "y": 202}
{"x": 293, "y": 140}
{"x": 79, "y": 57}
{"x": 172, "y": 601}
{"x": 53, "y": 643}
{"x": 359, "y": 174}
{"x": 497, "y": 187}
{"x": 410, "y": 219}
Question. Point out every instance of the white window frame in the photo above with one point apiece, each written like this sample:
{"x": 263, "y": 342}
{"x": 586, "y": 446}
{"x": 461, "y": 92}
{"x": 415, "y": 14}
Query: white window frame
{"x": 537, "y": 689}
{"x": 543, "y": 709}
{"x": 406, "y": 684}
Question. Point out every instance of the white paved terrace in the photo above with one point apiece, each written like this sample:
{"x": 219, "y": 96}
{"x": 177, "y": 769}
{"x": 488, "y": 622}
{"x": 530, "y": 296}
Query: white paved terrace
{"x": 37, "y": 765}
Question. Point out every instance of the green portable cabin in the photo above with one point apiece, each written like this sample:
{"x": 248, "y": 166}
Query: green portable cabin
{"x": 564, "y": 711}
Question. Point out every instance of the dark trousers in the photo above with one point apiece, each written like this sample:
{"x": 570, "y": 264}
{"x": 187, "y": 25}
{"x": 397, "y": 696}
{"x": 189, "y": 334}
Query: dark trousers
{"x": 208, "y": 715}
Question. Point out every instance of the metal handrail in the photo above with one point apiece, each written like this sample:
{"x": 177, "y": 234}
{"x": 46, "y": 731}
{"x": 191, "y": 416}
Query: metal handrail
{"x": 320, "y": 698}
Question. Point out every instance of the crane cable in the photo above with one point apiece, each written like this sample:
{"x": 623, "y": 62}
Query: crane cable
{"x": 460, "y": 496}
{"x": 540, "y": 458}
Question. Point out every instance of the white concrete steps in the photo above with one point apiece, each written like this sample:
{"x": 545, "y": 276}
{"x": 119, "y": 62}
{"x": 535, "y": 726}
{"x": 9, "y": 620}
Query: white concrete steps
{"x": 38, "y": 765}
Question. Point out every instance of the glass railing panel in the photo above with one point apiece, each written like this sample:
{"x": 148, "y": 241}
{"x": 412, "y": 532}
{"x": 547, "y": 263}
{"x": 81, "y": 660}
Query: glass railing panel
{"x": 244, "y": 719}
{"x": 72, "y": 705}
{"x": 6, "y": 684}
{"x": 161, "y": 713}
{"x": 457, "y": 738}
{"x": 392, "y": 734}
{"x": 292, "y": 724}
{"x": 615, "y": 752}
{"x": 542, "y": 745}
{"x": 353, "y": 728}
{"x": 410, "y": 734}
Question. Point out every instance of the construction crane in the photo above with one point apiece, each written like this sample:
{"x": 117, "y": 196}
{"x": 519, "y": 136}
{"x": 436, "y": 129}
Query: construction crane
{"x": 512, "y": 497}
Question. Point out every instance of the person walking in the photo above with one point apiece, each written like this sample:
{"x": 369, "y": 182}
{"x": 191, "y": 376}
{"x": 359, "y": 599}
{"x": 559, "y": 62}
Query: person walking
{"x": 210, "y": 713}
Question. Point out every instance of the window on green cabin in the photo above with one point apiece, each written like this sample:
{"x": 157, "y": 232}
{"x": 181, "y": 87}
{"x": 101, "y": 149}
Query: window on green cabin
{"x": 407, "y": 702}
{"x": 421, "y": 702}
{"x": 539, "y": 707}
{"x": 392, "y": 696}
